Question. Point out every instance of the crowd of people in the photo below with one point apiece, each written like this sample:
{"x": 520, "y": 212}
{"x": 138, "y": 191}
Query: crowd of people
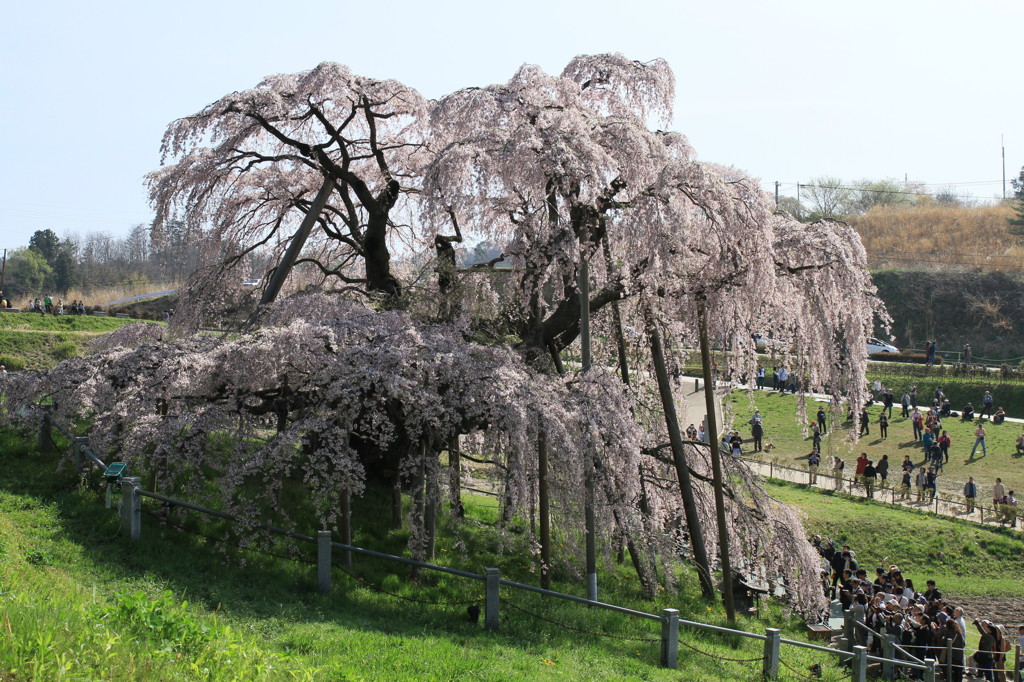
{"x": 49, "y": 306}
{"x": 923, "y": 624}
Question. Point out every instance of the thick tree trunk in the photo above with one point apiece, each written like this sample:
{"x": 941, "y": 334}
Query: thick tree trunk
{"x": 377, "y": 257}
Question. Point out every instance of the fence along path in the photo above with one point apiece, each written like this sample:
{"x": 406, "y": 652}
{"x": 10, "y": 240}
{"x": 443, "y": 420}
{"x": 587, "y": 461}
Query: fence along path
{"x": 131, "y": 511}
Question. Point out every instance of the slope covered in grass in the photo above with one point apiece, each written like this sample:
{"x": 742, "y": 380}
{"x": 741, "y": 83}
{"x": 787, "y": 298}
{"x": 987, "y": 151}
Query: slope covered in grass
{"x": 83, "y": 603}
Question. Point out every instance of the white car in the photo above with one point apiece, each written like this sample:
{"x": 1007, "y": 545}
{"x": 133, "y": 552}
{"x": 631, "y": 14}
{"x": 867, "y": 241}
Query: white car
{"x": 876, "y": 346}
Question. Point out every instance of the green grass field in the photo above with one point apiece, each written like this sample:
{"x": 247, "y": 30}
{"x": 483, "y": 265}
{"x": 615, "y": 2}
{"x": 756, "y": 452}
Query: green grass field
{"x": 34, "y": 341}
{"x": 80, "y": 602}
{"x": 791, "y": 446}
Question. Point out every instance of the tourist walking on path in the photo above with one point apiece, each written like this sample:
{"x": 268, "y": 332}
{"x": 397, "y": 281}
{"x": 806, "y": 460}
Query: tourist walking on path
{"x": 979, "y": 439}
{"x": 869, "y": 479}
{"x": 998, "y": 490}
{"x": 920, "y": 483}
{"x": 813, "y": 460}
{"x": 970, "y": 494}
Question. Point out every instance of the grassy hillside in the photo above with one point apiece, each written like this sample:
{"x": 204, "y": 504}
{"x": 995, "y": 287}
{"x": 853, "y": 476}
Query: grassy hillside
{"x": 34, "y": 341}
{"x": 80, "y": 602}
{"x": 984, "y": 309}
{"x": 977, "y": 567}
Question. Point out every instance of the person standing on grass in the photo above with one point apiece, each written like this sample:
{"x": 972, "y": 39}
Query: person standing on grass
{"x": 913, "y": 396}
{"x": 756, "y": 431}
{"x": 821, "y": 421}
{"x": 917, "y": 419}
{"x": 987, "y": 403}
{"x": 760, "y": 378}
{"x": 979, "y": 439}
{"x": 970, "y": 494}
{"x": 883, "y": 425}
{"x": 887, "y": 402}
{"x": 882, "y": 468}
{"x": 944, "y": 442}
{"x": 783, "y": 375}
{"x": 865, "y": 422}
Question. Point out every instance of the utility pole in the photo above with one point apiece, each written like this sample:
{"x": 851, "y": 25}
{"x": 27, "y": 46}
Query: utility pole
{"x": 3, "y": 268}
{"x": 1002, "y": 143}
{"x": 776, "y": 194}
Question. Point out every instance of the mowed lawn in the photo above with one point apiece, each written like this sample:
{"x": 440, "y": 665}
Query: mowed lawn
{"x": 792, "y": 441}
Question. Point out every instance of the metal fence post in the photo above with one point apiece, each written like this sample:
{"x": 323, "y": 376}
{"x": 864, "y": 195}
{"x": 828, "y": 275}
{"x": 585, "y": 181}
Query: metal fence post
{"x": 131, "y": 507}
{"x": 1016, "y": 662}
{"x": 669, "y": 638}
{"x": 491, "y": 602}
{"x": 323, "y": 561}
{"x": 770, "y": 666}
{"x": 79, "y": 442}
{"x": 46, "y": 433}
{"x": 860, "y": 663}
{"x": 848, "y": 626}
{"x": 929, "y": 671}
{"x": 889, "y": 653}
{"x": 949, "y": 660}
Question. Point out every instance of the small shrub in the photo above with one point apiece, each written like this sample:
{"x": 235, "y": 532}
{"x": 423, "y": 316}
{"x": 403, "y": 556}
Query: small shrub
{"x": 65, "y": 350}
{"x": 12, "y": 364}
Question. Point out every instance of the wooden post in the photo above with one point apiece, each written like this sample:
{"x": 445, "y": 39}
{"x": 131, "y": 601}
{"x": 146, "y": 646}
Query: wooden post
{"x": 492, "y": 599}
{"x": 949, "y": 661}
{"x": 669, "y": 638}
{"x": 455, "y": 474}
{"x": 590, "y": 521}
{"x": 770, "y": 666}
{"x": 1016, "y": 662}
{"x": 323, "y": 561}
{"x": 544, "y": 510}
{"x": 693, "y": 526}
{"x": 711, "y": 428}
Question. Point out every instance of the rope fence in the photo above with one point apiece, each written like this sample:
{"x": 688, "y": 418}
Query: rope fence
{"x": 131, "y": 511}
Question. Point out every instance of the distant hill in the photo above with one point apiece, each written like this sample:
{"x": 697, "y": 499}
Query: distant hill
{"x": 984, "y": 309}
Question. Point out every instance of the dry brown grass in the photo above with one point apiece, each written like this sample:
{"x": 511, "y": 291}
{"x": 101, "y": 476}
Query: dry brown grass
{"x": 97, "y": 296}
{"x": 935, "y": 237}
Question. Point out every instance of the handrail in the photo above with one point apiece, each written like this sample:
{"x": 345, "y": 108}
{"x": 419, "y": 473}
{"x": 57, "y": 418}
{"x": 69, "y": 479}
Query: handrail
{"x": 857, "y": 623}
{"x": 223, "y": 515}
{"x": 826, "y": 474}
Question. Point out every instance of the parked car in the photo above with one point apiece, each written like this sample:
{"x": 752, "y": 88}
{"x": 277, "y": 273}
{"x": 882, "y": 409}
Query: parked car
{"x": 876, "y": 346}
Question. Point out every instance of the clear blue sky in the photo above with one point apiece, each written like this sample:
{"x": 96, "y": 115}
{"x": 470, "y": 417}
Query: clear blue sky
{"x": 784, "y": 90}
